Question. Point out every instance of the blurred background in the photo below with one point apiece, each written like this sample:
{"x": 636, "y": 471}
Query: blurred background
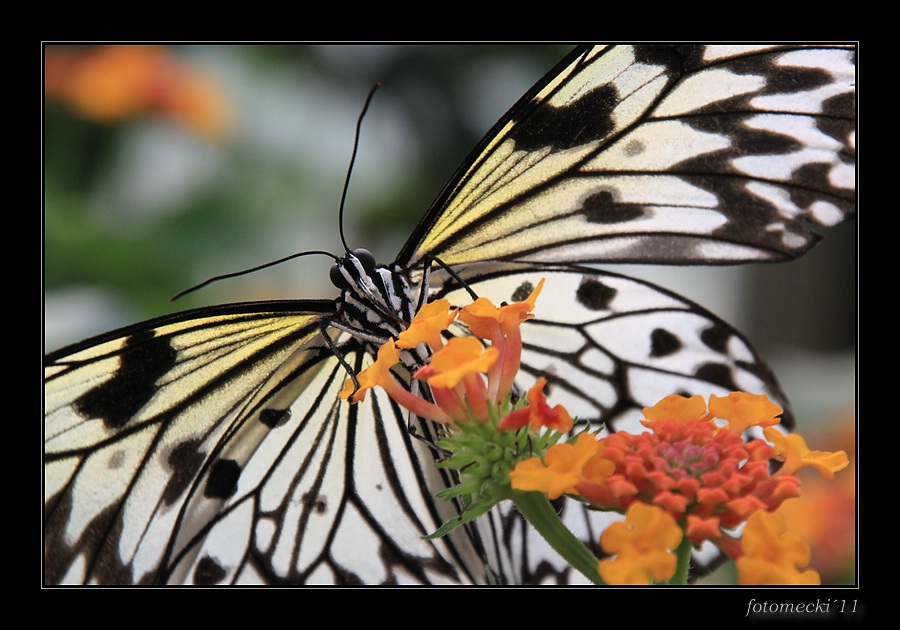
{"x": 164, "y": 166}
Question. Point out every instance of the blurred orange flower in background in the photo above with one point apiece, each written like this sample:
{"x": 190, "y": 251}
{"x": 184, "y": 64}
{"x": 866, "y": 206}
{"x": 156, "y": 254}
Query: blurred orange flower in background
{"x": 114, "y": 83}
{"x": 825, "y": 514}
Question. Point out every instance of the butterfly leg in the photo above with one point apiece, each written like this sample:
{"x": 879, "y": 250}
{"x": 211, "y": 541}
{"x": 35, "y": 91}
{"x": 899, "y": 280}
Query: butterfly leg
{"x": 323, "y": 326}
{"x": 462, "y": 283}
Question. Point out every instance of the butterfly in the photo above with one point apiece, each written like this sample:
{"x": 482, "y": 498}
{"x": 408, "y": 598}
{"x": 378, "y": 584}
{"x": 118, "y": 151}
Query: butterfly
{"x": 211, "y": 446}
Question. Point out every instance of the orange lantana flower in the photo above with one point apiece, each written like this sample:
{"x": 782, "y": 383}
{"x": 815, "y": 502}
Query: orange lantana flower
{"x": 643, "y": 546}
{"x": 461, "y": 357}
{"x": 771, "y": 555}
{"x": 455, "y": 377}
{"x": 501, "y": 327}
{"x": 427, "y": 326}
{"x": 560, "y": 470}
{"x": 743, "y": 410}
{"x": 538, "y": 413}
{"x": 793, "y": 451}
{"x": 379, "y": 375}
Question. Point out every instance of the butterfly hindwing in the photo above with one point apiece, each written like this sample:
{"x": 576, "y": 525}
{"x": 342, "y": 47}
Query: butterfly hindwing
{"x": 134, "y": 419}
{"x": 609, "y": 346}
{"x": 335, "y": 480}
{"x": 263, "y": 476}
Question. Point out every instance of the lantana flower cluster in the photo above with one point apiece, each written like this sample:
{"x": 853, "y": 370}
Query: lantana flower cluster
{"x": 690, "y": 478}
{"x": 701, "y": 473}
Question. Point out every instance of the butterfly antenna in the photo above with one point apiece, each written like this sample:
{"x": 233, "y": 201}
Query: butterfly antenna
{"x": 251, "y": 270}
{"x": 352, "y": 160}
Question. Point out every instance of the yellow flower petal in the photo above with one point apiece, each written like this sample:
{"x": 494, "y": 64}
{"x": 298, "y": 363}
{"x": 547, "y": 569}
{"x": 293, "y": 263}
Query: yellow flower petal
{"x": 643, "y": 544}
{"x": 792, "y": 449}
{"x": 678, "y": 408}
{"x": 461, "y": 357}
{"x": 376, "y": 374}
{"x": 744, "y": 410}
{"x": 560, "y": 470}
{"x": 427, "y": 326}
{"x": 771, "y": 554}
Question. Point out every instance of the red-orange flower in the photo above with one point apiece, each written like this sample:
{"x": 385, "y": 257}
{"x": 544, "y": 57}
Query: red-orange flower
{"x": 501, "y": 327}
{"x": 688, "y": 468}
{"x": 379, "y": 375}
{"x": 538, "y": 413}
{"x": 706, "y": 477}
{"x": 455, "y": 377}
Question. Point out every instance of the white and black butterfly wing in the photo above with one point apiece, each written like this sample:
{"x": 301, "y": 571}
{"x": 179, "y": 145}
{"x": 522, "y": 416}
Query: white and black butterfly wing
{"x": 658, "y": 154}
{"x": 212, "y": 447}
{"x": 609, "y": 346}
{"x": 338, "y": 494}
{"x": 139, "y": 421}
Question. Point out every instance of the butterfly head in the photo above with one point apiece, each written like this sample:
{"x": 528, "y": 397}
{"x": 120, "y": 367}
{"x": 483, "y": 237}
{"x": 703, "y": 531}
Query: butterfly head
{"x": 349, "y": 270}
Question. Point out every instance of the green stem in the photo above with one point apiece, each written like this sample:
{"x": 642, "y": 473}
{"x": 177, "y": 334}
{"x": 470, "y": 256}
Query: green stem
{"x": 535, "y": 507}
{"x": 683, "y": 553}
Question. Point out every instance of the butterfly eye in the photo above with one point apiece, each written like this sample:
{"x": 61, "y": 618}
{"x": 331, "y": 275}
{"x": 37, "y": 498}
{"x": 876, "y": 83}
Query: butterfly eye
{"x": 337, "y": 278}
{"x": 366, "y": 258}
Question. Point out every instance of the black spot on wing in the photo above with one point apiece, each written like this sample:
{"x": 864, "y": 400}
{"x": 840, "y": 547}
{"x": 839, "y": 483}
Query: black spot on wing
{"x": 602, "y": 208}
{"x": 673, "y": 58}
{"x": 840, "y": 108}
{"x": 783, "y": 78}
{"x": 143, "y": 360}
{"x": 274, "y": 417}
{"x": 717, "y": 374}
{"x": 522, "y": 292}
{"x": 595, "y": 295}
{"x": 223, "y": 479}
{"x": 761, "y": 371}
{"x": 663, "y": 343}
{"x": 184, "y": 462}
{"x": 208, "y": 572}
{"x": 116, "y": 460}
{"x": 634, "y": 148}
{"x": 716, "y": 337}
{"x": 318, "y": 503}
{"x": 743, "y": 140}
{"x": 579, "y": 122}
